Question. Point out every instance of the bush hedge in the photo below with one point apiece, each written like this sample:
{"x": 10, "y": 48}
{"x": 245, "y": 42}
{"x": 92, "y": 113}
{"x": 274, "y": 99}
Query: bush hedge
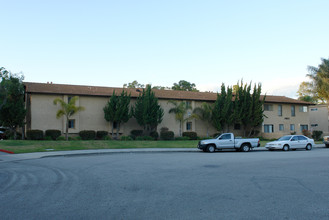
{"x": 34, "y": 135}
{"x": 154, "y": 135}
{"x": 167, "y": 135}
{"x": 316, "y": 135}
{"x": 53, "y": 134}
{"x": 87, "y": 135}
{"x": 126, "y": 138}
{"x": 191, "y": 135}
{"x": 100, "y": 135}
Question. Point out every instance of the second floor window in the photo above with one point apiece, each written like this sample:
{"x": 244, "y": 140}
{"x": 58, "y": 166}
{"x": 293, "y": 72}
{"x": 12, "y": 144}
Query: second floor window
{"x": 279, "y": 110}
{"x": 293, "y": 113}
{"x": 268, "y": 107}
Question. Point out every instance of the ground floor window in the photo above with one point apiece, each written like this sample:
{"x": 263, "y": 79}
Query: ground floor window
{"x": 281, "y": 127}
{"x": 292, "y": 127}
{"x": 188, "y": 126}
{"x": 71, "y": 123}
{"x": 268, "y": 128}
{"x": 303, "y": 127}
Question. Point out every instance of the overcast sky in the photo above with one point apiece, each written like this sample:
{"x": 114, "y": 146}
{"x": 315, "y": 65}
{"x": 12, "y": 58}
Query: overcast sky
{"x": 109, "y": 43}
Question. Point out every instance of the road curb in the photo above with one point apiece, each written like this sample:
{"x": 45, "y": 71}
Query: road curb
{"x": 6, "y": 151}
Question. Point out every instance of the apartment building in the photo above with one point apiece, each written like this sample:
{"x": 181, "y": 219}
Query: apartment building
{"x": 283, "y": 115}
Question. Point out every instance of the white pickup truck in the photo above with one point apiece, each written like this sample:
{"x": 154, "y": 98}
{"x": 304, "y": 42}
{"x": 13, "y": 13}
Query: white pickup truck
{"x": 228, "y": 141}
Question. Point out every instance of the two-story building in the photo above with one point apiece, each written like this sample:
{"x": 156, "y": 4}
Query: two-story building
{"x": 283, "y": 115}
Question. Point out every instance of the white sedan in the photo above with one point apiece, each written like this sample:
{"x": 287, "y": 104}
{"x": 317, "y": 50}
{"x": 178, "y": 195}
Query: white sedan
{"x": 291, "y": 142}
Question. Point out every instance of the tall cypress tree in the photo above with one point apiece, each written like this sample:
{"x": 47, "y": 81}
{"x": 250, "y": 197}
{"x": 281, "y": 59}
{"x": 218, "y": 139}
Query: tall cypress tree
{"x": 117, "y": 110}
{"x": 148, "y": 112}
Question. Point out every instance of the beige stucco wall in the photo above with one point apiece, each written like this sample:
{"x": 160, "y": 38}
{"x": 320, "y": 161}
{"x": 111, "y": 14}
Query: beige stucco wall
{"x": 43, "y": 113}
{"x": 300, "y": 118}
{"x": 43, "y": 117}
{"x": 319, "y": 116}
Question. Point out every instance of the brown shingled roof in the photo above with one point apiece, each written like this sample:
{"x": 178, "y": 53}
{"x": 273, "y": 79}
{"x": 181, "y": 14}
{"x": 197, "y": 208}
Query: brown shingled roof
{"x": 64, "y": 89}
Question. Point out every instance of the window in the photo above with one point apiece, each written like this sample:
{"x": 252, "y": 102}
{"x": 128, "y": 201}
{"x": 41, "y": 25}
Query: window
{"x": 303, "y": 127}
{"x": 188, "y": 126}
{"x": 313, "y": 109}
{"x": 69, "y": 99}
{"x": 302, "y": 108}
{"x": 314, "y": 125}
{"x": 302, "y": 138}
{"x": 293, "y": 113}
{"x": 268, "y": 128}
{"x": 72, "y": 123}
{"x": 292, "y": 127}
{"x": 237, "y": 126}
{"x": 188, "y": 104}
{"x": 268, "y": 107}
{"x": 279, "y": 110}
{"x": 226, "y": 137}
{"x": 281, "y": 127}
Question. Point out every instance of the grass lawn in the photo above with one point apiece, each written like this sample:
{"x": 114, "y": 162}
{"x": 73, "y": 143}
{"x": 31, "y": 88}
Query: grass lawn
{"x": 20, "y": 146}
{"x": 26, "y": 146}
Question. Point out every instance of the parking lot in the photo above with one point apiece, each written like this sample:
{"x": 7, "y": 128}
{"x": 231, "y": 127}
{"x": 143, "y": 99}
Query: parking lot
{"x": 168, "y": 185}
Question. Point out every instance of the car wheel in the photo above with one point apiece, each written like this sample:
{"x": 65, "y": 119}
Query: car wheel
{"x": 245, "y": 148}
{"x": 327, "y": 145}
{"x": 308, "y": 147}
{"x": 285, "y": 148}
{"x": 211, "y": 148}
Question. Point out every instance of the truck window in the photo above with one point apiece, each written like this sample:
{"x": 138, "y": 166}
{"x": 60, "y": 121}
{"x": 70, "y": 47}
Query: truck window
{"x": 226, "y": 136}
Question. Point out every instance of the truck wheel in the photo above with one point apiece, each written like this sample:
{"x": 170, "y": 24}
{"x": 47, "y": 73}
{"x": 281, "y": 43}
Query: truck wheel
{"x": 285, "y": 148}
{"x": 245, "y": 148}
{"x": 211, "y": 148}
{"x": 308, "y": 147}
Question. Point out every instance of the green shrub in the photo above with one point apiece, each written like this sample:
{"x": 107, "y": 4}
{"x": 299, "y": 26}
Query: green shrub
{"x": 107, "y": 138}
{"x": 136, "y": 133}
{"x": 167, "y": 135}
{"x": 87, "y": 135}
{"x": 60, "y": 138}
{"x": 53, "y": 134}
{"x": 144, "y": 138}
{"x": 9, "y": 134}
{"x": 48, "y": 138}
{"x": 126, "y": 138}
{"x": 191, "y": 135}
{"x": 154, "y": 135}
{"x": 34, "y": 135}
{"x": 316, "y": 135}
{"x": 100, "y": 135}
{"x": 182, "y": 138}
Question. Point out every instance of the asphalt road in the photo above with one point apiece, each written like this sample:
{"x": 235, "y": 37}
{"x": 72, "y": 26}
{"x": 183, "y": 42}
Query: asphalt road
{"x": 195, "y": 185}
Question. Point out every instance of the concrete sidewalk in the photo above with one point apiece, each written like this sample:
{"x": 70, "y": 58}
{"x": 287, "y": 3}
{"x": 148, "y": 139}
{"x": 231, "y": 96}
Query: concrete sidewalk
{"x": 4, "y": 157}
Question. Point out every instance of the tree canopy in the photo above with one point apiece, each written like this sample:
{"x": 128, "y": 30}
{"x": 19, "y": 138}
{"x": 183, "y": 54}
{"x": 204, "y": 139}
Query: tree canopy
{"x": 12, "y": 106}
{"x": 134, "y": 84}
{"x": 180, "y": 110}
{"x": 317, "y": 90}
{"x": 147, "y": 111}
{"x": 117, "y": 111}
{"x": 183, "y": 85}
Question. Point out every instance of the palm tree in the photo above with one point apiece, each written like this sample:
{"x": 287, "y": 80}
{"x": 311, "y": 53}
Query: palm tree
{"x": 67, "y": 110}
{"x": 180, "y": 109}
{"x": 320, "y": 78}
{"x": 203, "y": 113}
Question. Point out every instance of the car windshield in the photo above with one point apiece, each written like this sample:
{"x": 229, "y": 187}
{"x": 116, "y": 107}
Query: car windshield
{"x": 285, "y": 138}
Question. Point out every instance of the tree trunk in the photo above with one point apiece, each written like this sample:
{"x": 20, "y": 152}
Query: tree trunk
{"x": 67, "y": 129}
{"x": 118, "y": 129}
{"x": 112, "y": 128}
{"x": 180, "y": 128}
{"x": 15, "y": 133}
{"x": 23, "y": 132}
